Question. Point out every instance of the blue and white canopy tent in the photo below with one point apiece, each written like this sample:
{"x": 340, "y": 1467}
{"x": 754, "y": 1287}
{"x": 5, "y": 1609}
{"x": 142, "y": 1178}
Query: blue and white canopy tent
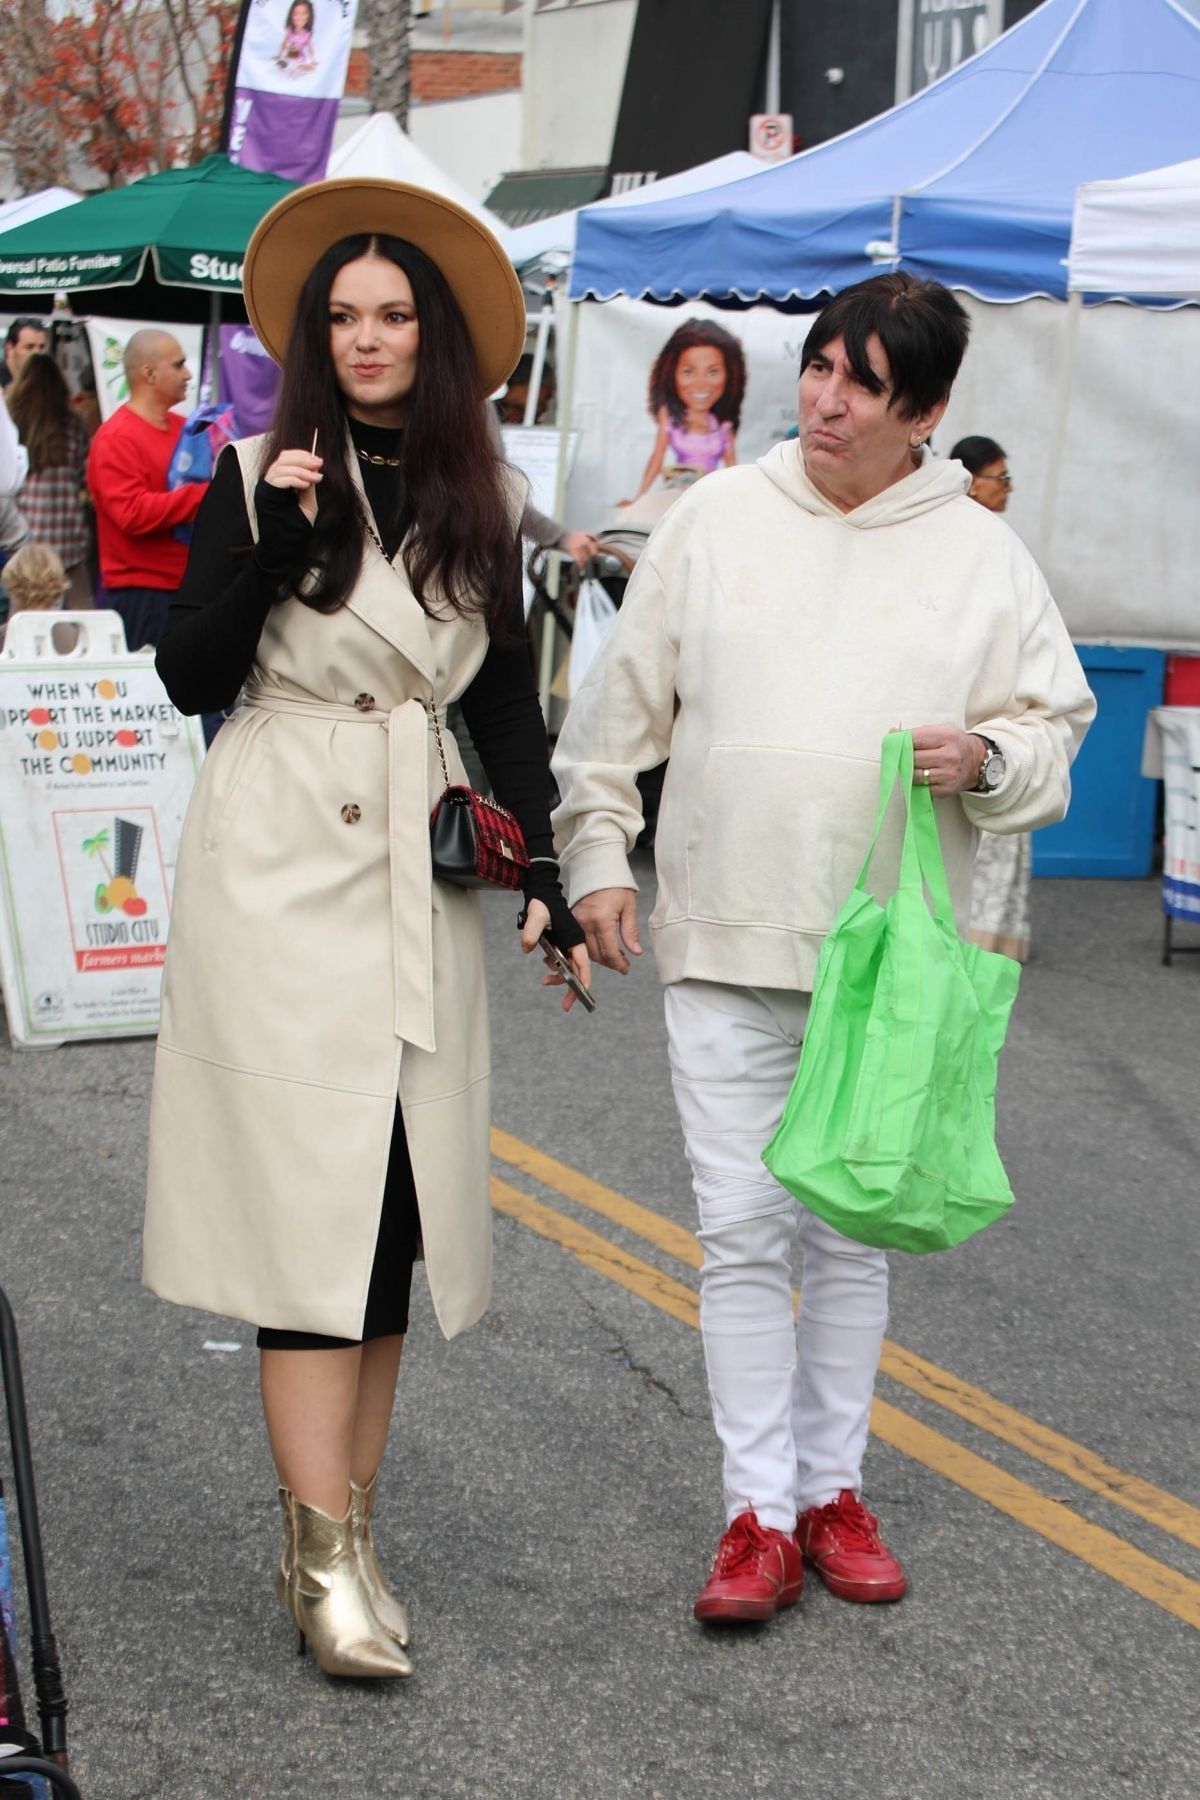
{"x": 971, "y": 181}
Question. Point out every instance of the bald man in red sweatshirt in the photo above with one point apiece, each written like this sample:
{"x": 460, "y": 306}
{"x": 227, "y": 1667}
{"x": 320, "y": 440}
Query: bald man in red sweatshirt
{"x": 141, "y": 560}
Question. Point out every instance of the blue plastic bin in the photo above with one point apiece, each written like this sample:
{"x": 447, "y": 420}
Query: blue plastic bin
{"x": 1109, "y": 828}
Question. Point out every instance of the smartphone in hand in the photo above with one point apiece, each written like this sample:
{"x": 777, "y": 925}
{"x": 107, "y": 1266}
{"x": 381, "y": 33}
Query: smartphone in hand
{"x": 566, "y": 969}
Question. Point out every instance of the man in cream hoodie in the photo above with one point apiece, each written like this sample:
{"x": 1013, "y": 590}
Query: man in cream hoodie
{"x": 785, "y": 616}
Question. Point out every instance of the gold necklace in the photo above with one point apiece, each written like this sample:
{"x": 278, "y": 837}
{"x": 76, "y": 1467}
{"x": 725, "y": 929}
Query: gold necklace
{"x": 382, "y": 462}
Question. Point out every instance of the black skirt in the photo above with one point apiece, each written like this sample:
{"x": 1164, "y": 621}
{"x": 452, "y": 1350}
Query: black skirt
{"x": 391, "y": 1272}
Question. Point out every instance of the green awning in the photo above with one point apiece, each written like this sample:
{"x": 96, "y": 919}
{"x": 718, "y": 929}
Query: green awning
{"x": 529, "y": 194}
{"x": 192, "y": 224}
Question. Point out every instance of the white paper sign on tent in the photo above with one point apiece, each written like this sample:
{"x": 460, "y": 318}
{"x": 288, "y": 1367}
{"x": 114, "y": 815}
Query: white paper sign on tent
{"x": 96, "y": 770}
{"x": 1172, "y": 752}
{"x": 534, "y": 450}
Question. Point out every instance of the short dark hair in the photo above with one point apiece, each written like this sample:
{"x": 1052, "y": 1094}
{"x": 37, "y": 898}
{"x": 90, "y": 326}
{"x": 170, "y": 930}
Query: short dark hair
{"x": 975, "y": 453}
{"x": 920, "y": 324}
{"x": 20, "y": 325}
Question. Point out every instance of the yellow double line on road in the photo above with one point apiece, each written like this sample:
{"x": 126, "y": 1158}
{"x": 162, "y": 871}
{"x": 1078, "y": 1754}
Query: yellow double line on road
{"x": 1051, "y": 1519}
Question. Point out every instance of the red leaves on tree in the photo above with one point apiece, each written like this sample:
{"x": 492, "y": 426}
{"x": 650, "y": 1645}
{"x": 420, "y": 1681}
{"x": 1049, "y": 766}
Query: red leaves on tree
{"x": 120, "y": 88}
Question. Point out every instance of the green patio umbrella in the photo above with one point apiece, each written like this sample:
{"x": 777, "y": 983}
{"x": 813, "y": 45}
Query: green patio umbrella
{"x": 167, "y": 247}
{"x": 190, "y": 225}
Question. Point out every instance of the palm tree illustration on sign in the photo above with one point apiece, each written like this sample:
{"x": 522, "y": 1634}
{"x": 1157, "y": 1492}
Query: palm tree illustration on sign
{"x": 117, "y": 890}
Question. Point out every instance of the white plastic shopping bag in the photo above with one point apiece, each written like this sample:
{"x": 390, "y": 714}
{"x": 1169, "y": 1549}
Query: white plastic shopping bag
{"x": 595, "y": 616}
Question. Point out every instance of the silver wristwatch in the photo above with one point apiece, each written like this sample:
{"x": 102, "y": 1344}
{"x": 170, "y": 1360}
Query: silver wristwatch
{"x": 991, "y": 770}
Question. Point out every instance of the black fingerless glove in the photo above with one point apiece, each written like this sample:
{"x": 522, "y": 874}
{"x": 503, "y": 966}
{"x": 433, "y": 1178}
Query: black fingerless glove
{"x": 542, "y": 883}
{"x": 283, "y": 531}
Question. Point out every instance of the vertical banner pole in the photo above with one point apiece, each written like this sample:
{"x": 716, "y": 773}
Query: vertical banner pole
{"x": 566, "y": 402}
{"x": 235, "y": 57}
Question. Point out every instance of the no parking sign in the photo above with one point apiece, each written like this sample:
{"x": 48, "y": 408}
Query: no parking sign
{"x": 96, "y": 769}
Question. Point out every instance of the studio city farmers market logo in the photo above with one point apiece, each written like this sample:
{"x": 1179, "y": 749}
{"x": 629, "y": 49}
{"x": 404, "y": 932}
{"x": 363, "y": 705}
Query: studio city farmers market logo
{"x": 115, "y": 887}
{"x": 117, "y": 890}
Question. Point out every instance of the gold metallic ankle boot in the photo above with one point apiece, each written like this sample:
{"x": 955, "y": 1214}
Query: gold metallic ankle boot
{"x": 384, "y": 1604}
{"x": 328, "y": 1601}
{"x": 283, "y": 1574}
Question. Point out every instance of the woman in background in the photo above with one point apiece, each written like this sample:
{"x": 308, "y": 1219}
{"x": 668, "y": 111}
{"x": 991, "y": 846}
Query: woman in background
{"x": 1003, "y": 865}
{"x": 53, "y": 496}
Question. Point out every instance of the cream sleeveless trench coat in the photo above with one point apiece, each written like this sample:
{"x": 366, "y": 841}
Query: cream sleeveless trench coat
{"x": 314, "y": 971}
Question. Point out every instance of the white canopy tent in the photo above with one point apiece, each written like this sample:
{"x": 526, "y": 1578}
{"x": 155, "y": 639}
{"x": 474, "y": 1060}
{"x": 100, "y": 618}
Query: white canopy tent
{"x": 35, "y": 206}
{"x": 544, "y": 237}
{"x": 1138, "y": 236}
{"x": 380, "y": 149}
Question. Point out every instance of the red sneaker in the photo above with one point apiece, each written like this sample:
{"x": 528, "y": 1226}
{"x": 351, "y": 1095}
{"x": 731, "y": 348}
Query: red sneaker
{"x": 842, "y": 1542}
{"x": 755, "y": 1573}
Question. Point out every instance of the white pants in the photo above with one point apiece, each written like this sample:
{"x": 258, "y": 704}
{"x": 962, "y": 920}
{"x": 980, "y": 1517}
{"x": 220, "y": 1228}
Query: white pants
{"x": 791, "y": 1403}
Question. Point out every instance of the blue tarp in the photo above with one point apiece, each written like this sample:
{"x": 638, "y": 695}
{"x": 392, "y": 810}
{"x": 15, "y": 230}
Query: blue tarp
{"x": 972, "y": 181}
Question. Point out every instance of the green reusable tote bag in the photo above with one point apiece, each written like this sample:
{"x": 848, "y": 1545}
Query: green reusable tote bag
{"x": 889, "y": 1130}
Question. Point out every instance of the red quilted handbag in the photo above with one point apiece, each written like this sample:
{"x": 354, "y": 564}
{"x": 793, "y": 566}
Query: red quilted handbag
{"x": 475, "y": 842}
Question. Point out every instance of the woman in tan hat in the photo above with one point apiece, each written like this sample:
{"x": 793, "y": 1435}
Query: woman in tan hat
{"x": 320, "y": 1107}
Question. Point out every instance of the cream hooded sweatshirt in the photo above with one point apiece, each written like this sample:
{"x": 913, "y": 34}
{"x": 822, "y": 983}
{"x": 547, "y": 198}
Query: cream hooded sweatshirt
{"x": 766, "y": 644}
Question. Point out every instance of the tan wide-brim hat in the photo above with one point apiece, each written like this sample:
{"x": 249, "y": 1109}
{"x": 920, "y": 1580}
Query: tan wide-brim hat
{"x": 298, "y": 231}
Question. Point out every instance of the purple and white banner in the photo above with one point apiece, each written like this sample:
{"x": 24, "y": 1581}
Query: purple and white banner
{"x": 290, "y": 75}
{"x": 249, "y": 378}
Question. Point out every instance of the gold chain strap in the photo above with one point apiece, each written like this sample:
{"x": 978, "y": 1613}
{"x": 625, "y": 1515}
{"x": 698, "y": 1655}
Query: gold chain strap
{"x": 437, "y": 732}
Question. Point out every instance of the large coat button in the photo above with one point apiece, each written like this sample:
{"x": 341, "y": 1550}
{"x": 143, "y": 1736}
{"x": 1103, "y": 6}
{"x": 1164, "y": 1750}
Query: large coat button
{"x": 365, "y": 702}
{"x": 352, "y": 812}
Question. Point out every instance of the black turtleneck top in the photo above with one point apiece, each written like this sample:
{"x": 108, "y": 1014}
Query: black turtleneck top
{"x": 231, "y": 583}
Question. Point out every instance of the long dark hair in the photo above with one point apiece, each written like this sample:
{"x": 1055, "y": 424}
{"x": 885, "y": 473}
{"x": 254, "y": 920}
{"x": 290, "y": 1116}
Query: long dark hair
{"x": 40, "y": 404}
{"x": 690, "y": 335}
{"x": 461, "y": 551}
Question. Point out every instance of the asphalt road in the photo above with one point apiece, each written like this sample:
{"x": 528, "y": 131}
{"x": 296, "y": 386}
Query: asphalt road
{"x": 552, "y": 1494}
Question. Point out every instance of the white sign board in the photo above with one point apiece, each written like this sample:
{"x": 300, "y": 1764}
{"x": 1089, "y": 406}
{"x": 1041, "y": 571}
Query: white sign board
{"x": 1173, "y": 751}
{"x": 96, "y": 770}
{"x": 534, "y": 450}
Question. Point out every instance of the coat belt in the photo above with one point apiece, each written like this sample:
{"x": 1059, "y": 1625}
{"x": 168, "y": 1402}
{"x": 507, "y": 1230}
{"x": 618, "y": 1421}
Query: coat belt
{"x": 410, "y": 870}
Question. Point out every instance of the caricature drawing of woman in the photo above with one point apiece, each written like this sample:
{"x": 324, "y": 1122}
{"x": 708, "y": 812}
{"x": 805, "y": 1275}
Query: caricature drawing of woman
{"x": 696, "y": 390}
{"x": 296, "y": 52}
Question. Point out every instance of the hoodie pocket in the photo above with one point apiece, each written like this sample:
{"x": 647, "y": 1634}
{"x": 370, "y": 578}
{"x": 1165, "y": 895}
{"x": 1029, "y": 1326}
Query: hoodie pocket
{"x": 778, "y": 835}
